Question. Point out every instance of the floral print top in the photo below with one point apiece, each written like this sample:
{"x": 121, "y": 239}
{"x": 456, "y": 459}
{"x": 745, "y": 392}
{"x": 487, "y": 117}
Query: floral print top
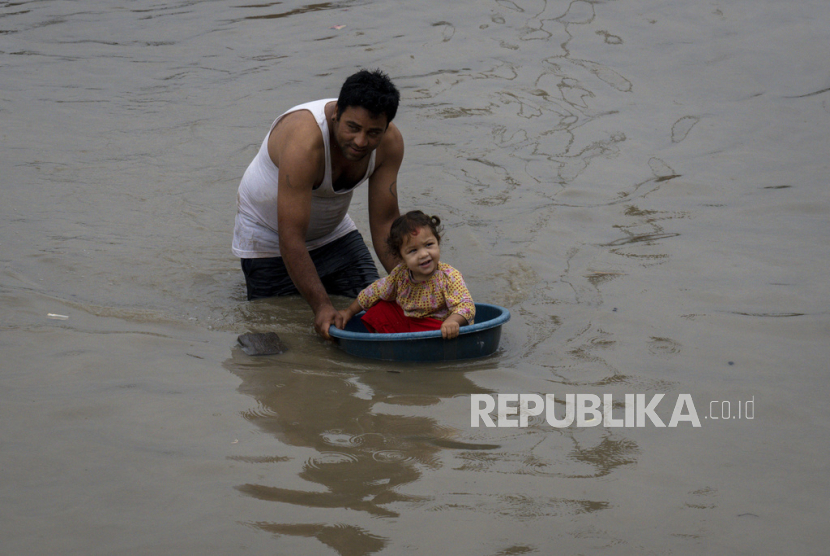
{"x": 443, "y": 294}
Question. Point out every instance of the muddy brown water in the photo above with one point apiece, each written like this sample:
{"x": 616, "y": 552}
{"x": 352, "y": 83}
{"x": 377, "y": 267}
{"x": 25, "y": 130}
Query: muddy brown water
{"x": 643, "y": 184}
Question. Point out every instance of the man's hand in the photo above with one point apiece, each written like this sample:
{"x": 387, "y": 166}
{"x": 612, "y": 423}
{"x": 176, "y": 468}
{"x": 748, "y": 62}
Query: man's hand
{"x": 324, "y": 318}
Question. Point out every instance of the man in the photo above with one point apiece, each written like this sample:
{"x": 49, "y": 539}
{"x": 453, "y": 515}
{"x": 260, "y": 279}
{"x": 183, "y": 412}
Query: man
{"x": 292, "y": 231}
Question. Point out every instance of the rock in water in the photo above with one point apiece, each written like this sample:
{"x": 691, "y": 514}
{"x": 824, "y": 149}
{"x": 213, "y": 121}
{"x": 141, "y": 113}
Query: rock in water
{"x": 266, "y": 343}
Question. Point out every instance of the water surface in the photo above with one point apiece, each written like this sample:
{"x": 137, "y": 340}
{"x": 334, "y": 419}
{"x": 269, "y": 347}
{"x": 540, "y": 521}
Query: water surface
{"x": 643, "y": 184}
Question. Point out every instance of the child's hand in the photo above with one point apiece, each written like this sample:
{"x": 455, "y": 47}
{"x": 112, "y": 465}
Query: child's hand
{"x": 449, "y": 329}
{"x": 346, "y": 314}
{"x": 451, "y": 326}
{"x": 345, "y": 317}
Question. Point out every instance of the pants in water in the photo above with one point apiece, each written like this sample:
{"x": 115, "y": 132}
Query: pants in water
{"x": 345, "y": 267}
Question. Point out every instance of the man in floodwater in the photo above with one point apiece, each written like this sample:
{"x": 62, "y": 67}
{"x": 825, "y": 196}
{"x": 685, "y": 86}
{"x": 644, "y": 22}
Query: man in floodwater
{"x": 292, "y": 231}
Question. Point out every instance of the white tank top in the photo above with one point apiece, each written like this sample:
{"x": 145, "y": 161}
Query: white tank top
{"x": 255, "y": 230}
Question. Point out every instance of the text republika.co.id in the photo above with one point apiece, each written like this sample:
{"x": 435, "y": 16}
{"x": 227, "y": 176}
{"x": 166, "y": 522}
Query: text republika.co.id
{"x": 592, "y": 410}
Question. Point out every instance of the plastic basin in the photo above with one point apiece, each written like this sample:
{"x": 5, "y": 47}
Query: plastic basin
{"x": 475, "y": 340}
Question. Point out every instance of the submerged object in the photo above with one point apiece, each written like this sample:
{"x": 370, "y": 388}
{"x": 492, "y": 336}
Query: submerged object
{"x": 474, "y": 340}
{"x": 261, "y": 343}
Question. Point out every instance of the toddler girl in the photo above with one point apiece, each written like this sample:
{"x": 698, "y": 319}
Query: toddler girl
{"x": 421, "y": 293}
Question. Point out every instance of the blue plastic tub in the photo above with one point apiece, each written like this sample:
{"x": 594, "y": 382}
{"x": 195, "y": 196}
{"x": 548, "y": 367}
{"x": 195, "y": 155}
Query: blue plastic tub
{"x": 476, "y": 340}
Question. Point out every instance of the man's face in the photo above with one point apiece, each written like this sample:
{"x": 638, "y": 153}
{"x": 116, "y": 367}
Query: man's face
{"x": 358, "y": 132}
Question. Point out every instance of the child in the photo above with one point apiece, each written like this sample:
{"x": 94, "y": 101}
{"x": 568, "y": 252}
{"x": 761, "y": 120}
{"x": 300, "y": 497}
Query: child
{"x": 420, "y": 293}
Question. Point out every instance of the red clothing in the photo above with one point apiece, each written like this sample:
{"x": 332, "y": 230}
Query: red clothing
{"x": 388, "y": 317}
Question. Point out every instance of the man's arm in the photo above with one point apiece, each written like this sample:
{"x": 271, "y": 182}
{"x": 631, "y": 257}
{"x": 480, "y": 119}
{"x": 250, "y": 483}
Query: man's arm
{"x": 383, "y": 194}
{"x": 297, "y": 149}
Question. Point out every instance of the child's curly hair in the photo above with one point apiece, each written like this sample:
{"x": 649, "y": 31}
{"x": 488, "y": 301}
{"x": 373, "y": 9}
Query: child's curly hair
{"x": 408, "y": 224}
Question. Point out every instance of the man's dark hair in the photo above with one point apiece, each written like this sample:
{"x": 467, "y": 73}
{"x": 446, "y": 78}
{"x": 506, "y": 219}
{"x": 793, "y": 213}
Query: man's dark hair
{"x": 372, "y": 90}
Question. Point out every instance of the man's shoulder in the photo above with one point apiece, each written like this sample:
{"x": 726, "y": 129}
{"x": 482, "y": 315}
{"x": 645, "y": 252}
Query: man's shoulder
{"x": 393, "y": 138}
{"x": 391, "y": 147}
{"x": 298, "y": 125}
{"x": 297, "y": 134}
{"x": 308, "y": 111}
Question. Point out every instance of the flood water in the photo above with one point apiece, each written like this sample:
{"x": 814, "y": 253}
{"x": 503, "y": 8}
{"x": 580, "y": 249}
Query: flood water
{"x": 642, "y": 183}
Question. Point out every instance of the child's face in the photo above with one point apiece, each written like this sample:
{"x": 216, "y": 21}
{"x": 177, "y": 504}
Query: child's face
{"x": 420, "y": 252}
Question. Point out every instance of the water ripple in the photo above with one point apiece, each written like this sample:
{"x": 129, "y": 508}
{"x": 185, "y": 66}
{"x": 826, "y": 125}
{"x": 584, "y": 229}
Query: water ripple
{"x": 337, "y": 438}
{"x": 329, "y": 458}
{"x": 391, "y": 456}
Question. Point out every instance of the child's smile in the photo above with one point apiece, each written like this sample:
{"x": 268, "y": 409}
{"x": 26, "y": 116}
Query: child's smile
{"x": 421, "y": 252}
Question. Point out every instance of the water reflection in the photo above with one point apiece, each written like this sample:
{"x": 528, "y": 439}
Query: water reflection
{"x": 372, "y": 436}
{"x": 369, "y": 440}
